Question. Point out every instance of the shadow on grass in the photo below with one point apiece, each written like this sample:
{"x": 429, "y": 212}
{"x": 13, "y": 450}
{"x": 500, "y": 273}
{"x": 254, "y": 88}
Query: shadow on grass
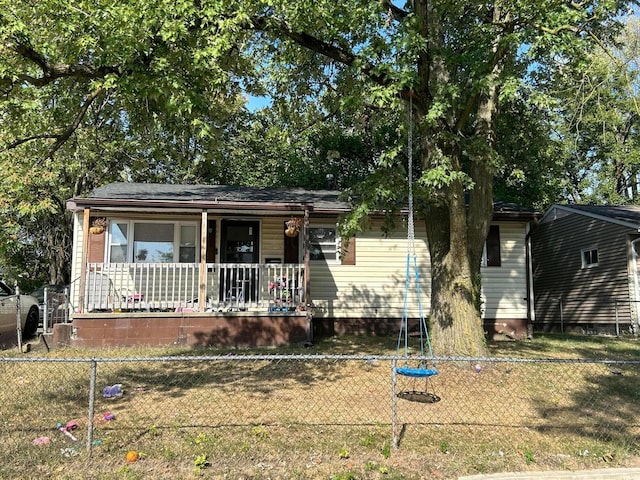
{"x": 589, "y": 347}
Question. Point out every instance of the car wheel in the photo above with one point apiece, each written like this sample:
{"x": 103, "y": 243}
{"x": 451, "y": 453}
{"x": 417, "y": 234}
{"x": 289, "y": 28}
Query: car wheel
{"x": 31, "y": 325}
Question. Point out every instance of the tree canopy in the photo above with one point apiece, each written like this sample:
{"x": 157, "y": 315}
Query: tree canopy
{"x": 154, "y": 90}
{"x": 598, "y": 114}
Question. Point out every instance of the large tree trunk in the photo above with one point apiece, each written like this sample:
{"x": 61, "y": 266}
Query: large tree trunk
{"x": 455, "y": 323}
{"x": 457, "y": 221}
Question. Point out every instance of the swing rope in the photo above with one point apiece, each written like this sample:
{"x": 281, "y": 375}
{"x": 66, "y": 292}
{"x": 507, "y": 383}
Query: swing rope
{"x": 423, "y": 371}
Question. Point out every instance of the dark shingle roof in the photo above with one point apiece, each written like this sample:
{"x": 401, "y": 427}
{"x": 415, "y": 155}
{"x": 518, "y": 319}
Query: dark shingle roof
{"x": 212, "y": 195}
{"x": 227, "y": 196}
{"x": 628, "y": 215}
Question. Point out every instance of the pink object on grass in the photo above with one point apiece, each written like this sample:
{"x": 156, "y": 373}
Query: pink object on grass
{"x": 41, "y": 441}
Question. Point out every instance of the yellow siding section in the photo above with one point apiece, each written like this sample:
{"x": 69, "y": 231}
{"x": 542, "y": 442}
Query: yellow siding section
{"x": 375, "y": 285}
{"x": 272, "y": 238}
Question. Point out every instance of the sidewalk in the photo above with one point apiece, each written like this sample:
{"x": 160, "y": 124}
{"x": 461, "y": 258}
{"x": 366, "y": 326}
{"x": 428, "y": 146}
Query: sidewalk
{"x": 606, "y": 474}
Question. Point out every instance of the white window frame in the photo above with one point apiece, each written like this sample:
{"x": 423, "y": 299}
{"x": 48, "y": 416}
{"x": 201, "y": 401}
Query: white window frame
{"x": 587, "y": 262}
{"x": 327, "y": 259}
{"x": 177, "y": 241}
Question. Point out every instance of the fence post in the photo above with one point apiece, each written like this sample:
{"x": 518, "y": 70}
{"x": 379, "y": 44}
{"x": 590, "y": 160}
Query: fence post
{"x": 18, "y": 318}
{"x": 393, "y": 404}
{"x": 561, "y": 317}
{"x": 92, "y": 398}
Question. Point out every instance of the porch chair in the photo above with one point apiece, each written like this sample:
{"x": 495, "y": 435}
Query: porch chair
{"x": 100, "y": 292}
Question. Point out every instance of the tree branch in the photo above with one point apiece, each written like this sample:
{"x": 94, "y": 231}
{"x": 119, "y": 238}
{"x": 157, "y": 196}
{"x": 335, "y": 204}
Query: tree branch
{"x": 64, "y": 136}
{"x": 570, "y": 28}
{"x": 53, "y": 71}
{"x": 555, "y": 31}
{"x": 396, "y": 13}
{"x": 21, "y": 141}
{"x": 499, "y": 52}
{"x": 317, "y": 45}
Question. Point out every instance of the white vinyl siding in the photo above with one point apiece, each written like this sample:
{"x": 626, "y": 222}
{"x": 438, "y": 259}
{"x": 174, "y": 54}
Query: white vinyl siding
{"x": 504, "y": 288}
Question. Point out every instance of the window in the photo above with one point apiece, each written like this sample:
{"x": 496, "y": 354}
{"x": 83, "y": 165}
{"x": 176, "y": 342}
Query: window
{"x": 589, "y": 257}
{"x": 491, "y": 253}
{"x": 324, "y": 244}
{"x": 188, "y": 243}
{"x": 152, "y": 242}
{"x": 118, "y": 244}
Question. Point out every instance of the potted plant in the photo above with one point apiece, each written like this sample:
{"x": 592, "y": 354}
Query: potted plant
{"x": 293, "y": 227}
{"x": 98, "y": 225}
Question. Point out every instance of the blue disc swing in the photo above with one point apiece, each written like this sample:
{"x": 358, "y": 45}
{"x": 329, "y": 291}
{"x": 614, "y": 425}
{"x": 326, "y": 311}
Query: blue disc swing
{"x": 424, "y": 370}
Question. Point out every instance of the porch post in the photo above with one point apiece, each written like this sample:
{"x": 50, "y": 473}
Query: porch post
{"x": 85, "y": 255}
{"x": 307, "y": 276}
{"x": 202, "y": 292}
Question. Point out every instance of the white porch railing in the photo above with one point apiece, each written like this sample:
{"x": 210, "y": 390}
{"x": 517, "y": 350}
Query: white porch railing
{"x": 113, "y": 287}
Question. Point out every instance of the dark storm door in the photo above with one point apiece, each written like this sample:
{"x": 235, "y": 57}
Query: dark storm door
{"x": 211, "y": 241}
{"x": 239, "y": 243}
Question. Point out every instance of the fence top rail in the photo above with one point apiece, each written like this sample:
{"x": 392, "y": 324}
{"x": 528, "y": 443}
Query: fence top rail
{"x": 316, "y": 357}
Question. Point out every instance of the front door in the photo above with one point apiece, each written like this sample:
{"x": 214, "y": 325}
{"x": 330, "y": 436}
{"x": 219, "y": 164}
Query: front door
{"x": 239, "y": 241}
{"x": 239, "y": 244}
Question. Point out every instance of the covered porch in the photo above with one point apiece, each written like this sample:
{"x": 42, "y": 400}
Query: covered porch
{"x": 198, "y": 264}
{"x": 159, "y": 304}
{"x": 187, "y": 288}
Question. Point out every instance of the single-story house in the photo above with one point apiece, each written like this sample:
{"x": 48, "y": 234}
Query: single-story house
{"x": 217, "y": 264}
{"x": 585, "y": 269}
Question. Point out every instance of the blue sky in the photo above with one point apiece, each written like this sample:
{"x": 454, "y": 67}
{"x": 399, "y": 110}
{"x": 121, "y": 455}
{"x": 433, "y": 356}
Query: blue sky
{"x": 256, "y": 103}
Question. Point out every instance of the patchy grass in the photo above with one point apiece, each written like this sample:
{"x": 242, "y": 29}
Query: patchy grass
{"x": 322, "y": 419}
{"x": 590, "y": 347}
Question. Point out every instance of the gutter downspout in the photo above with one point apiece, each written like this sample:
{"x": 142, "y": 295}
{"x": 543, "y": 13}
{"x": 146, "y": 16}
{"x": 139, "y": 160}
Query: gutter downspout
{"x": 531, "y": 311}
{"x": 636, "y": 285}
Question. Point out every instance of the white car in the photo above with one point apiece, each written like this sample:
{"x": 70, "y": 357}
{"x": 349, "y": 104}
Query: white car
{"x": 29, "y": 312}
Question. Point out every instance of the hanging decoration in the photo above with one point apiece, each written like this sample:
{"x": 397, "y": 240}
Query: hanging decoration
{"x": 293, "y": 227}
{"x": 98, "y": 226}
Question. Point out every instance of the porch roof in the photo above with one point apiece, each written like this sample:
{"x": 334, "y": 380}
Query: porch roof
{"x": 157, "y": 195}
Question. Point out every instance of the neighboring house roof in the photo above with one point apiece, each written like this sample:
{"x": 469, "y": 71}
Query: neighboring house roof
{"x": 505, "y": 210}
{"x": 158, "y": 195}
{"x": 625, "y": 215}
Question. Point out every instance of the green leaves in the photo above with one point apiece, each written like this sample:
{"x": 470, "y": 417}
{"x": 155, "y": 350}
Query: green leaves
{"x": 94, "y": 91}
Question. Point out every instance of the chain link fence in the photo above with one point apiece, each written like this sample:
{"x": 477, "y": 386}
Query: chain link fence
{"x": 304, "y": 409}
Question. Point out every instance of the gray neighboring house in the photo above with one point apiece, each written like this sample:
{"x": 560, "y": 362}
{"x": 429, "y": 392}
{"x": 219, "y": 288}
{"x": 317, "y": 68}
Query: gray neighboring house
{"x": 586, "y": 269}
